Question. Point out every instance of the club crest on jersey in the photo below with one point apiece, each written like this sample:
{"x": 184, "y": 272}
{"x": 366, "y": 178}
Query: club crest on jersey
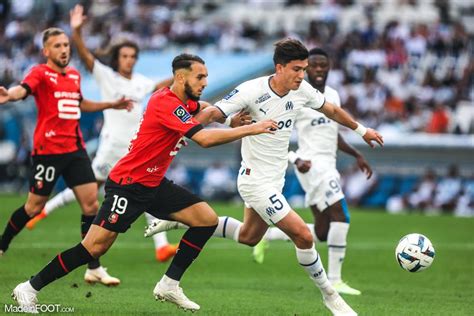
{"x": 263, "y": 98}
{"x": 289, "y": 106}
{"x": 182, "y": 114}
{"x": 231, "y": 94}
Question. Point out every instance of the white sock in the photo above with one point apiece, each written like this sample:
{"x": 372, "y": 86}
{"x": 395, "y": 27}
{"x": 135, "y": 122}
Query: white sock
{"x": 228, "y": 227}
{"x": 160, "y": 239}
{"x": 275, "y": 233}
{"x": 59, "y": 200}
{"x": 168, "y": 283}
{"x": 337, "y": 237}
{"x": 310, "y": 261}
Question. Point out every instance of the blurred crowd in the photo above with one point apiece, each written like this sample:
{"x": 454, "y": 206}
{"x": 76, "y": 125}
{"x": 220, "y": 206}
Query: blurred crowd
{"x": 399, "y": 76}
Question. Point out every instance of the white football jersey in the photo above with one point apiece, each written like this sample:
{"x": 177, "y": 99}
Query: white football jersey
{"x": 266, "y": 154}
{"x": 317, "y": 135}
{"x": 120, "y": 125}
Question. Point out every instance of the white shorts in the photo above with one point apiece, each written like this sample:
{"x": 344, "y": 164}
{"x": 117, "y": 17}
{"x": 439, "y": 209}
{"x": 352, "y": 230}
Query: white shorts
{"x": 106, "y": 157}
{"x": 322, "y": 189}
{"x": 266, "y": 200}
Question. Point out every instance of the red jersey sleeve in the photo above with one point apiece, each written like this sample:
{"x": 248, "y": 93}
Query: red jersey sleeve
{"x": 176, "y": 117}
{"x": 32, "y": 80}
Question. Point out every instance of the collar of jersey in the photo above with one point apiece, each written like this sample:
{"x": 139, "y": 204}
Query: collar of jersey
{"x": 273, "y": 91}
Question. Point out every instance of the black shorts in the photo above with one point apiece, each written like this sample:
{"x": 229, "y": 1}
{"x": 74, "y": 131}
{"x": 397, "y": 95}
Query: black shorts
{"x": 123, "y": 204}
{"x": 75, "y": 168}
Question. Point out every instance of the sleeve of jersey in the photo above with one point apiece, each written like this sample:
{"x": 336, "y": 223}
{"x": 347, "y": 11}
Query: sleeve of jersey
{"x": 315, "y": 98}
{"x": 175, "y": 117}
{"x": 233, "y": 102}
{"x": 32, "y": 81}
{"x": 101, "y": 72}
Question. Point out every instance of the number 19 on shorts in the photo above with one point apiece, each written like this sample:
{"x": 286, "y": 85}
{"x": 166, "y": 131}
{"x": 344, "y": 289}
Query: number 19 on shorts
{"x": 120, "y": 204}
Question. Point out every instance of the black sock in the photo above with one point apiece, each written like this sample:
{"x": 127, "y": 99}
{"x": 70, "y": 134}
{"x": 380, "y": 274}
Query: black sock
{"x": 189, "y": 248}
{"x": 16, "y": 223}
{"x": 86, "y": 222}
{"x": 61, "y": 265}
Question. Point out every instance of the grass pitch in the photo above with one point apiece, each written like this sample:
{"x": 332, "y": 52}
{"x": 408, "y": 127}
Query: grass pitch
{"x": 225, "y": 281}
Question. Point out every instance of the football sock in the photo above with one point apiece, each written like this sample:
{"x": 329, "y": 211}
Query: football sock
{"x": 168, "y": 284}
{"x": 16, "y": 223}
{"x": 274, "y": 233}
{"x": 337, "y": 236}
{"x": 59, "y": 200}
{"x": 310, "y": 261}
{"x": 86, "y": 222}
{"x": 190, "y": 246}
{"x": 160, "y": 239}
{"x": 61, "y": 265}
{"x": 228, "y": 227}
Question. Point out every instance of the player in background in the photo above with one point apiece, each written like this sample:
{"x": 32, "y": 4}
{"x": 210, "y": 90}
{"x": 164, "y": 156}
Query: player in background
{"x": 265, "y": 157}
{"x": 119, "y": 126}
{"x": 315, "y": 167}
{"x": 137, "y": 183}
{"x": 58, "y": 147}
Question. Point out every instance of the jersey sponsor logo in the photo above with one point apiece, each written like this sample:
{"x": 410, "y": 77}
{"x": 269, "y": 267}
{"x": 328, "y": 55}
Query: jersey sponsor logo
{"x": 263, "y": 98}
{"x": 50, "y": 133}
{"x": 289, "y": 106}
{"x": 231, "y": 94}
{"x": 67, "y": 95}
{"x": 319, "y": 121}
{"x": 152, "y": 169}
{"x": 72, "y": 76}
{"x": 182, "y": 114}
{"x": 51, "y": 74}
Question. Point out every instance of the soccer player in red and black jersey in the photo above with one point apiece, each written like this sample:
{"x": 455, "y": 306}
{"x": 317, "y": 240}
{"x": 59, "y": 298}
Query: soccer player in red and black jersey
{"x": 58, "y": 147}
{"x": 137, "y": 184}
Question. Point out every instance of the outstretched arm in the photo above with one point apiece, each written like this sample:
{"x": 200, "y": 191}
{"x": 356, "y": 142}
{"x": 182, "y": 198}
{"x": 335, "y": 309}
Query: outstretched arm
{"x": 13, "y": 94}
{"x": 164, "y": 83}
{"x": 342, "y": 117}
{"x": 210, "y": 114}
{"x": 213, "y": 137}
{"x": 77, "y": 20}
{"x": 350, "y": 150}
{"x": 92, "y": 106}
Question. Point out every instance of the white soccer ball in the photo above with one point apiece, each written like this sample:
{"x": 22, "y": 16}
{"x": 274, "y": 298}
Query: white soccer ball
{"x": 414, "y": 252}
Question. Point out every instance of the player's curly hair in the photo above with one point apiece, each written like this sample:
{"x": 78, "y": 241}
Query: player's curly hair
{"x": 184, "y": 61}
{"x": 287, "y": 50}
{"x": 52, "y": 31}
{"x": 115, "y": 52}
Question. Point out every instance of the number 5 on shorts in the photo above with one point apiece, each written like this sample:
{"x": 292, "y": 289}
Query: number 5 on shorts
{"x": 276, "y": 202}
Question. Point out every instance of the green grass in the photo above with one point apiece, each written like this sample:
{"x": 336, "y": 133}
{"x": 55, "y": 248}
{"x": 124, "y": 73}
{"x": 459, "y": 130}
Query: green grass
{"x": 225, "y": 281}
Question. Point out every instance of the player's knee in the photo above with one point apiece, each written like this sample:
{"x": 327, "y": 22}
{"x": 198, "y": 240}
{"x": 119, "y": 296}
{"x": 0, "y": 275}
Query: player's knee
{"x": 90, "y": 208}
{"x": 303, "y": 239}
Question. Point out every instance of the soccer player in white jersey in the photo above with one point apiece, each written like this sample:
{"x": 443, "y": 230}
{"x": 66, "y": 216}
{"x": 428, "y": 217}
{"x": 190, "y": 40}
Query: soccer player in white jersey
{"x": 119, "y": 126}
{"x": 315, "y": 167}
{"x": 264, "y": 160}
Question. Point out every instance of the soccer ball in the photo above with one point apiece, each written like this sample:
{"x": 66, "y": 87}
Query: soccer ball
{"x": 414, "y": 252}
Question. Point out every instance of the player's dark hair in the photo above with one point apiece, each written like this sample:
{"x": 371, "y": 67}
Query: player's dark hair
{"x": 287, "y": 50}
{"x": 318, "y": 51}
{"x": 52, "y": 31}
{"x": 115, "y": 52}
{"x": 184, "y": 61}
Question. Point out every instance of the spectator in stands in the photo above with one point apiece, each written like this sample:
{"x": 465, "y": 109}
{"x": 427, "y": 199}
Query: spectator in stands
{"x": 179, "y": 174}
{"x": 423, "y": 194}
{"x": 448, "y": 191}
{"x": 355, "y": 184}
{"x": 465, "y": 203}
{"x": 439, "y": 120}
{"x": 218, "y": 183}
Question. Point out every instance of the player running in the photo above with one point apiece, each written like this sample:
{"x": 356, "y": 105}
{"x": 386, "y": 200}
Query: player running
{"x": 58, "y": 147}
{"x": 119, "y": 126}
{"x": 315, "y": 167}
{"x": 264, "y": 160}
{"x": 137, "y": 183}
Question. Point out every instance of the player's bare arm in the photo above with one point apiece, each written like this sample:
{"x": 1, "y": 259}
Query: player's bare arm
{"x": 164, "y": 83}
{"x": 213, "y": 137}
{"x": 210, "y": 113}
{"x": 77, "y": 20}
{"x": 13, "y": 94}
{"x": 92, "y": 106}
{"x": 350, "y": 150}
{"x": 342, "y": 117}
